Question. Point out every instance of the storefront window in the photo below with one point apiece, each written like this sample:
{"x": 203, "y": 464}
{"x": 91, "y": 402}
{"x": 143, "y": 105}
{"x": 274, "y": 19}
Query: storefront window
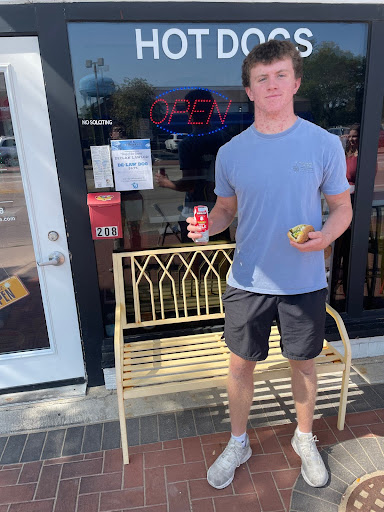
{"x": 22, "y": 320}
{"x": 374, "y": 281}
{"x": 179, "y": 86}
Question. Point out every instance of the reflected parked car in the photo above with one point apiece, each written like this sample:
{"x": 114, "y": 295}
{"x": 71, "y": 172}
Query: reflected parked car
{"x": 8, "y": 151}
{"x": 339, "y": 130}
{"x": 172, "y": 143}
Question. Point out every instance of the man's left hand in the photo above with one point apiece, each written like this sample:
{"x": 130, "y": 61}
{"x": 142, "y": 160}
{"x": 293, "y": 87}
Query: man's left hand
{"x": 318, "y": 241}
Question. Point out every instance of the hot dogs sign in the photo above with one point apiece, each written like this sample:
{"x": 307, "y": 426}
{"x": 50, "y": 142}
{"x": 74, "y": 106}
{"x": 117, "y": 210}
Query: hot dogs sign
{"x": 152, "y": 44}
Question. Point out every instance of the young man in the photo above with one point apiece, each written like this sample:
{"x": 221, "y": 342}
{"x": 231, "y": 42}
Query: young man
{"x": 272, "y": 174}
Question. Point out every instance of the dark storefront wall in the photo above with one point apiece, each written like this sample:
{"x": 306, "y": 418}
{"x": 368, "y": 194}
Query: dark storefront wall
{"x": 344, "y": 41}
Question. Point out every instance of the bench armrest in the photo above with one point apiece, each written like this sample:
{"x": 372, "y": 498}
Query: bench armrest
{"x": 342, "y": 331}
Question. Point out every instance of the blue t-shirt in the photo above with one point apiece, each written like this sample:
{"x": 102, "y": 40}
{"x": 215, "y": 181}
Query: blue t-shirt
{"x": 278, "y": 180}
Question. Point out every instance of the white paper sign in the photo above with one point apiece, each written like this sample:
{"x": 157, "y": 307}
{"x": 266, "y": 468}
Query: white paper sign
{"x": 102, "y": 169}
{"x": 132, "y": 164}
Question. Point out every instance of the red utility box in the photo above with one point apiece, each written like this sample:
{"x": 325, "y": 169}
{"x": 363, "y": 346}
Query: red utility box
{"x": 105, "y": 215}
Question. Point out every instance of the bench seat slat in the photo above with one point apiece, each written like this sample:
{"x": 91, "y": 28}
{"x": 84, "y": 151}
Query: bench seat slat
{"x": 158, "y": 355}
{"x": 198, "y": 384}
{"x": 160, "y": 370}
{"x": 157, "y": 348}
{"x": 138, "y": 348}
{"x": 173, "y": 342}
{"x": 178, "y": 377}
{"x": 220, "y": 346}
{"x": 182, "y": 358}
{"x": 181, "y": 340}
{"x": 174, "y": 350}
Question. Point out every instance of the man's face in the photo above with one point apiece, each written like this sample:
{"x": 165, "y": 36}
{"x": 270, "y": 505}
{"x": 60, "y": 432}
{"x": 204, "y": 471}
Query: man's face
{"x": 273, "y": 85}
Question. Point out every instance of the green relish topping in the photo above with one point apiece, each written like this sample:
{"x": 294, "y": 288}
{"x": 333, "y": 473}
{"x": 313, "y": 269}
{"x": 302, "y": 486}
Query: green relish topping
{"x": 296, "y": 230}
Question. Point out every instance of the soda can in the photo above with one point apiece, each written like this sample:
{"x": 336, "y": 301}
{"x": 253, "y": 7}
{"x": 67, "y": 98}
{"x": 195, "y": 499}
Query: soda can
{"x": 201, "y": 216}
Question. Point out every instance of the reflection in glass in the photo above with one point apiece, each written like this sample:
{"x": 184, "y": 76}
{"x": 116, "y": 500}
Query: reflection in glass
{"x": 22, "y": 320}
{"x": 197, "y": 155}
{"x": 374, "y": 282}
{"x": 342, "y": 246}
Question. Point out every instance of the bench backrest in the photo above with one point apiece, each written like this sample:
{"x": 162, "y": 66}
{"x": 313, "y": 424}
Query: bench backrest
{"x": 168, "y": 286}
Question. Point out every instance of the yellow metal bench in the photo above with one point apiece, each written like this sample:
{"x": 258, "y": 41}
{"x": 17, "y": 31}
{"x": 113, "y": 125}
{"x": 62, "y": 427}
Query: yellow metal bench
{"x": 183, "y": 286}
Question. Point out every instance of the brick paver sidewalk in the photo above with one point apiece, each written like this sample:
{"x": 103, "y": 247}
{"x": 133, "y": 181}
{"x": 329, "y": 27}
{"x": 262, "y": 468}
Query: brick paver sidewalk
{"x": 169, "y": 476}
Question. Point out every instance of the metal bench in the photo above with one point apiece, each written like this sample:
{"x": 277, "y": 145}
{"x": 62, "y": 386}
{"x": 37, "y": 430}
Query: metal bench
{"x": 166, "y": 288}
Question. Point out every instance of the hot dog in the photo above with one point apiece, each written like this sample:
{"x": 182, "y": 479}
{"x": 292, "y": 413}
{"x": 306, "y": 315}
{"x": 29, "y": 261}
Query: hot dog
{"x": 299, "y": 234}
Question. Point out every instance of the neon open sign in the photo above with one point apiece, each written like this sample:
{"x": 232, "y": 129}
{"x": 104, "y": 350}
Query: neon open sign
{"x": 185, "y": 109}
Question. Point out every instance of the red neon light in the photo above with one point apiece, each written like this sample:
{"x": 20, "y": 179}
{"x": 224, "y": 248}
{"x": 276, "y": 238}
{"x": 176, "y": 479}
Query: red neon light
{"x": 195, "y": 111}
{"x": 190, "y": 111}
{"x": 211, "y": 111}
{"x": 222, "y": 119}
{"x": 150, "y": 112}
{"x": 179, "y": 111}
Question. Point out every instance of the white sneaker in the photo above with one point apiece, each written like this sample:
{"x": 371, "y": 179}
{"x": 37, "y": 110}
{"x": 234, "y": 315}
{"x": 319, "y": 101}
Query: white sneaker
{"x": 312, "y": 466}
{"x": 222, "y": 471}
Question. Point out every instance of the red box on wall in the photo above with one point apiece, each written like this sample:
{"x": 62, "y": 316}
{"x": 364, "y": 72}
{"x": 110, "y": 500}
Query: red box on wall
{"x": 105, "y": 215}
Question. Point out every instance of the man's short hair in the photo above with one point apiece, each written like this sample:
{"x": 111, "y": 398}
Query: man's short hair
{"x": 268, "y": 52}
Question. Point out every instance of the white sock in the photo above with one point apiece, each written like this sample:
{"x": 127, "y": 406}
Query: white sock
{"x": 240, "y": 439}
{"x": 299, "y": 433}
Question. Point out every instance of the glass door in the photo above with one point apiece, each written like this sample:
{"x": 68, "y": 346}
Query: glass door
{"x": 39, "y": 331}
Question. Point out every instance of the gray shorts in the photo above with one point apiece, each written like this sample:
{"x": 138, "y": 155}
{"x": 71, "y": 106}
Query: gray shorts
{"x": 249, "y": 316}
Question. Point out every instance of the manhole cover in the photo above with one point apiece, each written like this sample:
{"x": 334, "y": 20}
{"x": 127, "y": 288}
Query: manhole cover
{"x": 366, "y": 494}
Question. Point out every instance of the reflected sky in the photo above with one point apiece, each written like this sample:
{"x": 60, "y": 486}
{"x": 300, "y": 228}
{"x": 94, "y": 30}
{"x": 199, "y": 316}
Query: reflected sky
{"x": 117, "y": 44}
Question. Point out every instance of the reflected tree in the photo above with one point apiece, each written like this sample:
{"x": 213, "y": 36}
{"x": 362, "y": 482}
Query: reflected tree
{"x": 131, "y": 103}
{"x": 334, "y": 83}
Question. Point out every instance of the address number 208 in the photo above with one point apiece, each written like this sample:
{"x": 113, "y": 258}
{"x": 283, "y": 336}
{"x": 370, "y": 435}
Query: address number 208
{"x": 107, "y": 232}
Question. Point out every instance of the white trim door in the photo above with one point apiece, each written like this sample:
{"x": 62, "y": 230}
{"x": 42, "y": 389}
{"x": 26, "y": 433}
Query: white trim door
{"x": 41, "y": 341}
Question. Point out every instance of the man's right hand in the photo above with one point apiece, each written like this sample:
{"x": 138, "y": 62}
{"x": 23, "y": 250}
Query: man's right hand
{"x": 194, "y": 230}
{"x": 163, "y": 181}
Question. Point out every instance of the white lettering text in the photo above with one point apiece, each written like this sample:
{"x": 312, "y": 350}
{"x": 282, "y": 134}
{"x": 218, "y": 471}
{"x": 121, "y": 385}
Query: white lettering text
{"x": 246, "y": 34}
{"x": 304, "y": 42}
{"x": 198, "y": 32}
{"x": 140, "y": 44}
{"x": 221, "y": 32}
{"x": 184, "y": 43}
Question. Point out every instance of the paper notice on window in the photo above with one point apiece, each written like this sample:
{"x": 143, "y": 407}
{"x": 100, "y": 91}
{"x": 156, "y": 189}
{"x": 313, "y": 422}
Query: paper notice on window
{"x": 102, "y": 169}
{"x": 132, "y": 164}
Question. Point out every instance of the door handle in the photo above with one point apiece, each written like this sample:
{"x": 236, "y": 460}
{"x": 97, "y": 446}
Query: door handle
{"x": 55, "y": 258}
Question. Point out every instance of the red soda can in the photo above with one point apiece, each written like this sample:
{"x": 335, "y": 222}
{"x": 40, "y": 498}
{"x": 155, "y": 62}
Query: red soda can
{"x": 201, "y": 216}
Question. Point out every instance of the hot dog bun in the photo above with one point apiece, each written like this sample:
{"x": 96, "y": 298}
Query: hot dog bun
{"x": 299, "y": 234}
